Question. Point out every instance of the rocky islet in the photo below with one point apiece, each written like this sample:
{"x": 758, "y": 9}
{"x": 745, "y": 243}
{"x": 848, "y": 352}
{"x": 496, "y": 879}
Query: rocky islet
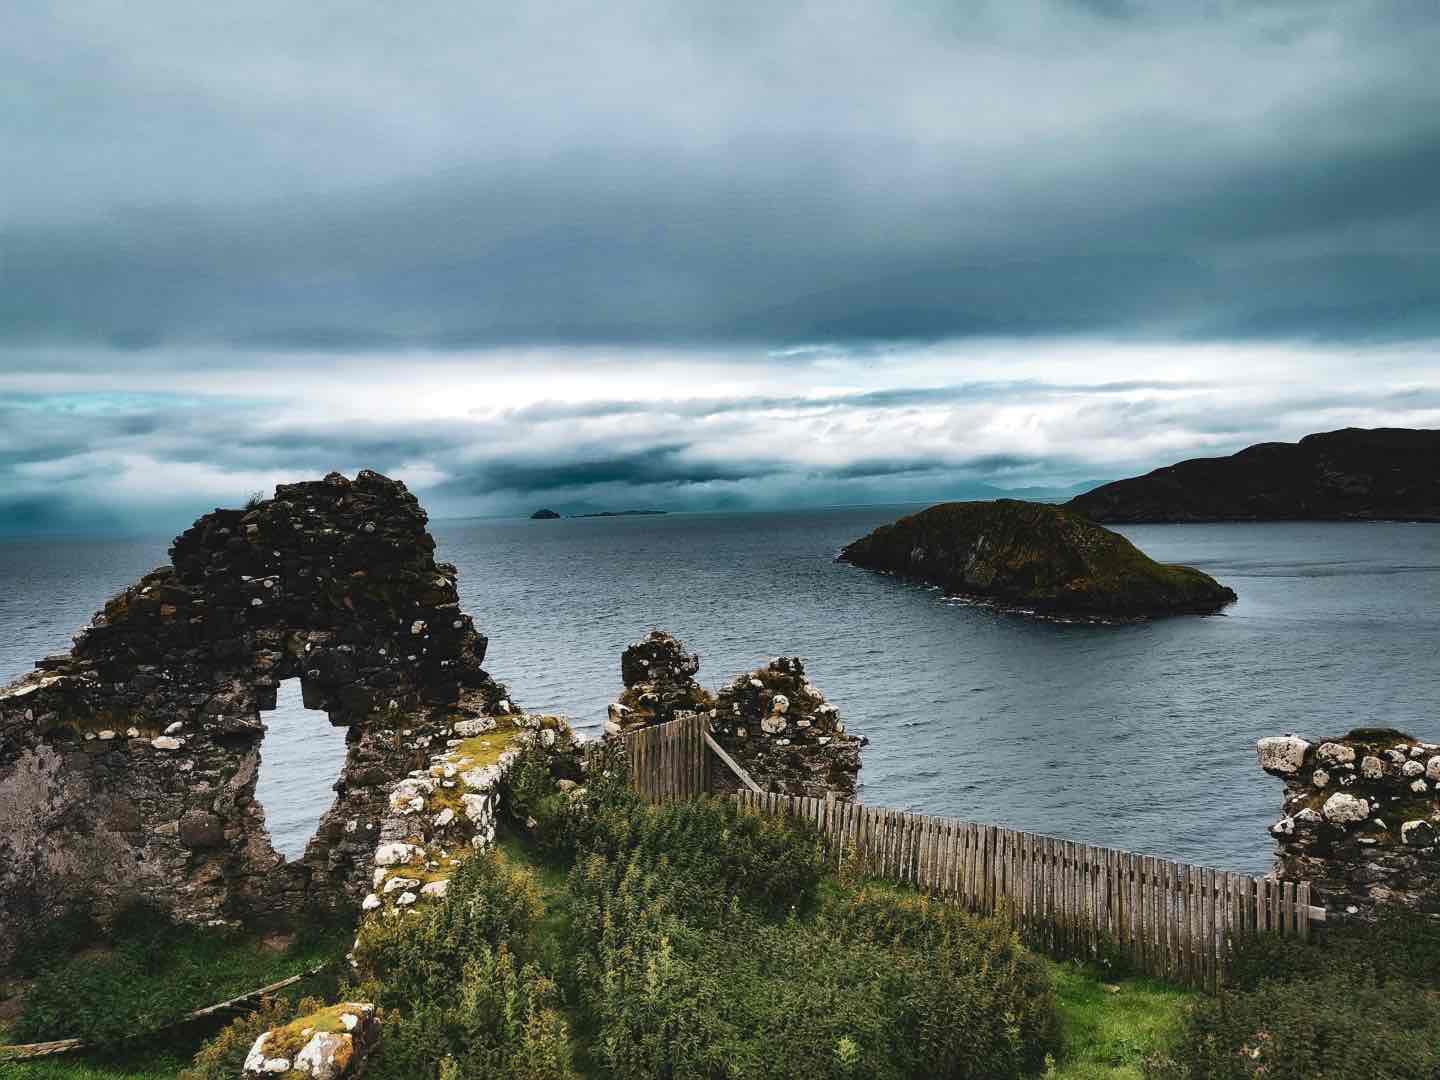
{"x": 1034, "y": 557}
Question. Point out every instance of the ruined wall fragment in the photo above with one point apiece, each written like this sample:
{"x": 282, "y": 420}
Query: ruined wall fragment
{"x": 1361, "y": 820}
{"x": 128, "y": 765}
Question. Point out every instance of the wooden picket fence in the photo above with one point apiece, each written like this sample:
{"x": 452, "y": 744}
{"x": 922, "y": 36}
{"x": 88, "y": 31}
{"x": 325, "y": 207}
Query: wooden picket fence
{"x": 670, "y": 761}
{"x": 1164, "y": 918}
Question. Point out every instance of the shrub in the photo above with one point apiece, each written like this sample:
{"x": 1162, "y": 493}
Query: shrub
{"x": 413, "y": 960}
{"x": 1361, "y": 1002}
{"x": 684, "y": 974}
{"x": 500, "y": 1022}
{"x": 457, "y": 996}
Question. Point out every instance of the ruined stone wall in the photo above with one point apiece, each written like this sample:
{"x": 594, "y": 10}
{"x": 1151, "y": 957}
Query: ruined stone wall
{"x": 128, "y": 765}
{"x": 1361, "y": 819}
{"x": 773, "y": 720}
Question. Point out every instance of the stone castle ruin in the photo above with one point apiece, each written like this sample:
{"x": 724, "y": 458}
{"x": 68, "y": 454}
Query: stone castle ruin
{"x": 128, "y": 765}
{"x": 1361, "y": 820}
{"x": 773, "y": 721}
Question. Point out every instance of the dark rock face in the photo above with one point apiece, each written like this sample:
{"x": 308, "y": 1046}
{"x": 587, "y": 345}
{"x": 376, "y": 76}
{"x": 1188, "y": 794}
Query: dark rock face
{"x": 1035, "y": 556}
{"x": 128, "y": 766}
{"x": 1386, "y": 474}
{"x": 544, "y": 515}
{"x": 1361, "y": 818}
{"x": 773, "y": 721}
{"x": 779, "y": 727}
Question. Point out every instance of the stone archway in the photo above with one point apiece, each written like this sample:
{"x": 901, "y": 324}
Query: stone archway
{"x": 128, "y": 765}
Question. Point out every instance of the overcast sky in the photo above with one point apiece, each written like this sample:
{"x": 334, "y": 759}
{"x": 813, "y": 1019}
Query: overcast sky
{"x": 698, "y": 255}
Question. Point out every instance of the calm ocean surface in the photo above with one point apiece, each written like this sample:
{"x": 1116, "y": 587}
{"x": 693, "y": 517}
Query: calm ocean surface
{"x": 1135, "y": 736}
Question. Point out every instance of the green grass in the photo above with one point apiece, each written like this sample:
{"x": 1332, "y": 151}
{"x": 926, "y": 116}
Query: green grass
{"x": 1111, "y": 1027}
{"x": 149, "y": 979}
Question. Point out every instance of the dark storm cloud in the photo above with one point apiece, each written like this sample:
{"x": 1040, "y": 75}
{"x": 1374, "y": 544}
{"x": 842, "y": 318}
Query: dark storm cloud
{"x": 465, "y": 175}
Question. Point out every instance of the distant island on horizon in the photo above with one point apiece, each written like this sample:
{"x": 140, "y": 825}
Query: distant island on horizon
{"x": 1354, "y": 474}
{"x": 551, "y": 515}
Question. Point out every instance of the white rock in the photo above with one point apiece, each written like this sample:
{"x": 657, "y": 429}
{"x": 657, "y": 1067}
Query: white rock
{"x": 436, "y": 889}
{"x": 505, "y": 706}
{"x": 468, "y": 729}
{"x": 319, "y": 1054}
{"x": 396, "y": 852}
{"x": 1320, "y": 778}
{"x": 1419, "y": 787}
{"x": 478, "y": 808}
{"x": 1335, "y": 753}
{"x": 133, "y": 733}
{"x": 780, "y": 705}
{"x": 175, "y": 728}
{"x": 370, "y": 903}
{"x": 395, "y": 884}
{"x": 255, "y": 1059}
{"x": 444, "y": 817}
{"x": 1412, "y": 769}
{"x": 1284, "y": 827}
{"x": 772, "y": 725}
{"x": 1371, "y": 767}
{"x": 1432, "y": 769}
{"x": 1282, "y": 753}
{"x": 1308, "y": 817}
{"x": 405, "y": 899}
{"x": 1342, "y": 809}
{"x": 166, "y": 742}
{"x": 1418, "y": 831}
{"x": 757, "y": 684}
{"x": 106, "y": 735}
{"x": 417, "y": 627}
{"x": 547, "y": 737}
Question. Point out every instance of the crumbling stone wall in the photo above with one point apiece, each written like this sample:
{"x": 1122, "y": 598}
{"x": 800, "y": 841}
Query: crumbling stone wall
{"x": 773, "y": 720}
{"x": 1361, "y": 819}
{"x": 128, "y": 765}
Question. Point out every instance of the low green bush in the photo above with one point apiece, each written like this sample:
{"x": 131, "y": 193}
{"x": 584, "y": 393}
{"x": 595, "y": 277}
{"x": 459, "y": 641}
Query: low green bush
{"x": 697, "y": 954}
{"x": 458, "y": 999}
{"x": 419, "y": 958}
{"x": 1362, "y": 1002}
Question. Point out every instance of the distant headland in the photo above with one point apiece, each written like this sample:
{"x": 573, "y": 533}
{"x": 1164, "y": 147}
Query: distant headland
{"x": 548, "y": 515}
{"x": 1037, "y": 557}
{"x": 1355, "y": 474}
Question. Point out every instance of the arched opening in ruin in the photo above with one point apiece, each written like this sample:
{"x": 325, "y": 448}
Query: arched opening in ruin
{"x": 300, "y": 758}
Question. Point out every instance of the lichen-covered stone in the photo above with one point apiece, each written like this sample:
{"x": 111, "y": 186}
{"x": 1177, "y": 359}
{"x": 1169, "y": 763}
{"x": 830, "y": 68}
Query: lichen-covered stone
{"x": 1283, "y": 754}
{"x": 331, "y": 1044}
{"x": 1342, "y": 809}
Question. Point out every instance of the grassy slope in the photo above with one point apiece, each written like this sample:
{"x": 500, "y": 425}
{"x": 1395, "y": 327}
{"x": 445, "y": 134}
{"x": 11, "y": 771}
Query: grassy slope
{"x": 1110, "y": 1028}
